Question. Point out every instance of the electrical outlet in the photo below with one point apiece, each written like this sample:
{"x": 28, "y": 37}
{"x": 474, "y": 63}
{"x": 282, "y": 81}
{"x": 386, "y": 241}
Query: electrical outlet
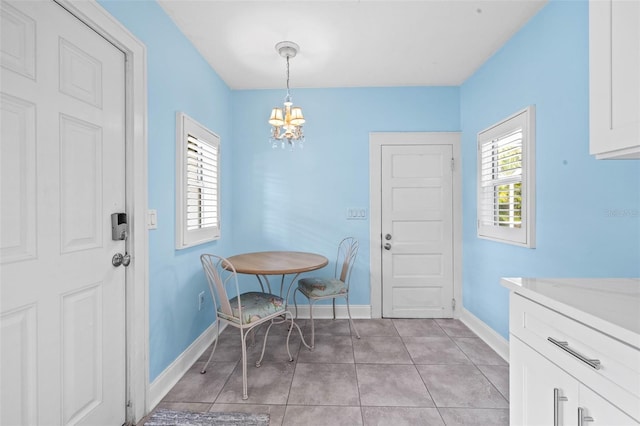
{"x": 200, "y": 300}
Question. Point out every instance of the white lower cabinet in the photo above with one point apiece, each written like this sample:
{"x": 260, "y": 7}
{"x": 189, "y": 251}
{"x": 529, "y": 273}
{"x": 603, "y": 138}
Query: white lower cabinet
{"x": 594, "y": 409}
{"x": 541, "y": 393}
{"x": 570, "y": 369}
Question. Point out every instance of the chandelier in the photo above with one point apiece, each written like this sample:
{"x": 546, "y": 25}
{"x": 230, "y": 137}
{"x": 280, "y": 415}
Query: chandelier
{"x": 286, "y": 123}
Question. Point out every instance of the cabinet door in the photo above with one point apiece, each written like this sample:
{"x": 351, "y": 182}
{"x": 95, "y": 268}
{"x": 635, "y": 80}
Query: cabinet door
{"x": 540, "y": 392}
{"x": 614, "y": 78}
{"x": 601, "y": 411}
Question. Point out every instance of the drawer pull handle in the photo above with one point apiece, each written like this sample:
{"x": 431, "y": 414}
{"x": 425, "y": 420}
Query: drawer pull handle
{"x": 556, "y": 406}
{"x": 582, "y": 419}
{"x": 593, "y": 363}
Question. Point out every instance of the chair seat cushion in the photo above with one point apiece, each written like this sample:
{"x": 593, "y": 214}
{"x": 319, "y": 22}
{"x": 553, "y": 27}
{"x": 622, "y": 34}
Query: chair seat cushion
{"x": 255, "y": 306}
{"x": 320, "y": 287}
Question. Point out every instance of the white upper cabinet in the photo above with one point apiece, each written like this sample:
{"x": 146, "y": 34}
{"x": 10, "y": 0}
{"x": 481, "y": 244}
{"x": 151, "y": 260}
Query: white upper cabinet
{"x": 614, "y": 78}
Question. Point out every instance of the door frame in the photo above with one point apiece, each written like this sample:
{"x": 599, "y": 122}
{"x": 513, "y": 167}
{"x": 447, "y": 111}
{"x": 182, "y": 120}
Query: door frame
{"x": 376, "y": 141}
{"x": 136, "y": 277}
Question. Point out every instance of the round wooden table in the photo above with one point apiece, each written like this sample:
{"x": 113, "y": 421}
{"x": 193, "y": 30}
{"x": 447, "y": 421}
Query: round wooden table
{"x": 264, "y": 263}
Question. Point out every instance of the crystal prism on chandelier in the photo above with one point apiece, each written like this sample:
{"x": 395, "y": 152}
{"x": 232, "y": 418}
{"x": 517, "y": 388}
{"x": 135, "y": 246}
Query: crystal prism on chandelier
{"x": 286, "y": 123}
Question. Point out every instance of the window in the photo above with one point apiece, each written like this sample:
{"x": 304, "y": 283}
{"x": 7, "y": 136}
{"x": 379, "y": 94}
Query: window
{"x": 197, "y": 183}
{"x": 506, "y": 180}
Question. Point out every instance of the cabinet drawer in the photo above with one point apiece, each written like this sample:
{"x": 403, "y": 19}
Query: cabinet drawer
{"x": 615, "y": 375}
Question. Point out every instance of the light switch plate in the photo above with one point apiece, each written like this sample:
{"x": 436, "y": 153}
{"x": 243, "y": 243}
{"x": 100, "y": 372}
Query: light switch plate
{"x": 152, "y": 219}
{"x": 356, "y": 213}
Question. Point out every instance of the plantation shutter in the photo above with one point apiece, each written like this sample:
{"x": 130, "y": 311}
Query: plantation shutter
{"x": 197, "y": 183}
{"x": 202, "y": 184}
{"x": 501, "y": 181}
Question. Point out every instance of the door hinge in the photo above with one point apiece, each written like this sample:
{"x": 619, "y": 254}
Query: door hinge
{"x": 453, "y": 304}
{"x": 453, "y": 163}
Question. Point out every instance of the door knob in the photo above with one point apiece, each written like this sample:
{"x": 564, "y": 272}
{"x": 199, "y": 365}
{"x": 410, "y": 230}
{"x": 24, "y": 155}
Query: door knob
{"x": 387, "y": 237}
{"x": 120, "y": 259}
{"x": 387, "y": 246}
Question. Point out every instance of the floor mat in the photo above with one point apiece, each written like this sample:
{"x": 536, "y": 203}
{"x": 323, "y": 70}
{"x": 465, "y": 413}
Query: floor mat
{"x": 165, "y": 417}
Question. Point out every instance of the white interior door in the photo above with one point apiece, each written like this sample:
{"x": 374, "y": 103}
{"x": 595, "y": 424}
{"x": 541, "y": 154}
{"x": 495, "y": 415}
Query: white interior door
{"x": 417, "y": 231}
{"x": 63, "y": 174}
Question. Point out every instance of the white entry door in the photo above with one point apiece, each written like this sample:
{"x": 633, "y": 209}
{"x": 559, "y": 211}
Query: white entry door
{"x": 63, "y": 174}
{"x": 417, "y": 231}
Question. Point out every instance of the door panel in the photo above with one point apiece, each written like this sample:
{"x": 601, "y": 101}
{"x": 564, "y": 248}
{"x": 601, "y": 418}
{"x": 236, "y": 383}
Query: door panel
{"x": 63, "y": 157}
{"x": 417, "y": 212}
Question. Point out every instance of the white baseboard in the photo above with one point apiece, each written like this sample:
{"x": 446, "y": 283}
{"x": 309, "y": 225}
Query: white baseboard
{"x": 326, "y": 311}
{"x": 174, "y": 372}
{"x": 486, "y": 333}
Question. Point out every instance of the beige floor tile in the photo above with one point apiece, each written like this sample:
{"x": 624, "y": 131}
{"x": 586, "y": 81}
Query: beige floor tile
{"x": 454, "y": 327}
{"x": 459, "y": 386}
{"x": 392, "y": 385}
{"x": 324, "y": 384}
{"x": 478, "y": 351}
{"x": 268, "y": 384}
{"x": 401, "y": 416}
{"x": 475, "y": 416}
{"x": 418, "y": 327}
{"x": 380, "y": 350}
{"x": 434, "y": 350}
{"x": 298, "y": 415}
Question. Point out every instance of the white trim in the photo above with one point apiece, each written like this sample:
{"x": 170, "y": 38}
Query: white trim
{"x": 525, "y": 236}
{"x": 326, "y": 311}
{"x": 97, "y": 18}
{"x": 486, "y": 333}
{"x": 376, "y": 141}
{"x": 174, "y": 372}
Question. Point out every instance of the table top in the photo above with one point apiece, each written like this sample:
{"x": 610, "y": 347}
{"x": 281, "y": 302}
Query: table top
{"x": 277, "y": 262}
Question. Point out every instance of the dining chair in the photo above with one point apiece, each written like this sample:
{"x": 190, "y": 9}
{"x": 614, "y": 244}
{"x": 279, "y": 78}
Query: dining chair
{"x": 322, "y": 288}
{"x": 245, "y": 311}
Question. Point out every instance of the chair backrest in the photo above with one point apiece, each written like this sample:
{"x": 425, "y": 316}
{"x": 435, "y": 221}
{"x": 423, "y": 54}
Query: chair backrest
{"x": 347, "y": 252}
{"x": 220, "y": 273}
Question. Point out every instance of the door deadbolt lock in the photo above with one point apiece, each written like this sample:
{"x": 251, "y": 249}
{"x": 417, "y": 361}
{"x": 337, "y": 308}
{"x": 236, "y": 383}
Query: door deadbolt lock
{"x": 387, "y": 237}
{"x": 120, "y": 259}
{"x": 387, "y": 246}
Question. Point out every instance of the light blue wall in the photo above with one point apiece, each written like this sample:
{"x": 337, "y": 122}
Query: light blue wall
{"x": 178, "y": 79}
{"x": 546, "y": 64}
{"x": 275, "y": 199}
{"x": 298, "y": 200}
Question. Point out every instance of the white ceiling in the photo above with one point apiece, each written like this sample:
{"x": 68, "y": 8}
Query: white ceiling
{"x": 345, "y": 43}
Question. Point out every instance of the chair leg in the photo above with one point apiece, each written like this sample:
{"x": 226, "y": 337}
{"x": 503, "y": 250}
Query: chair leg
{"x": 264, "y": 344}
{"x": 295, "y": 303}
{"x": 334, "y": 308}
{"x": 313, "y": 328}
{"x": 351, "y": 320}
{"x": 289, "y": 335}
{"x": 215, "y": 344}
{"x": 245, "y": 394}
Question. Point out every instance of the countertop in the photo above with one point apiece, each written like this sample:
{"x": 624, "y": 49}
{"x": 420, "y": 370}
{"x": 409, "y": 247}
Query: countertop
{"x": 611, "y": 305}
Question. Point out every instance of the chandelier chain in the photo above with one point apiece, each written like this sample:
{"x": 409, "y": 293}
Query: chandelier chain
{"x": 288, "y": 94}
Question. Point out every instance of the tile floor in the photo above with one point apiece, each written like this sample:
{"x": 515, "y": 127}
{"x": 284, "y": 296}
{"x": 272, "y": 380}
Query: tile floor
{"x": 401, "y": 372}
